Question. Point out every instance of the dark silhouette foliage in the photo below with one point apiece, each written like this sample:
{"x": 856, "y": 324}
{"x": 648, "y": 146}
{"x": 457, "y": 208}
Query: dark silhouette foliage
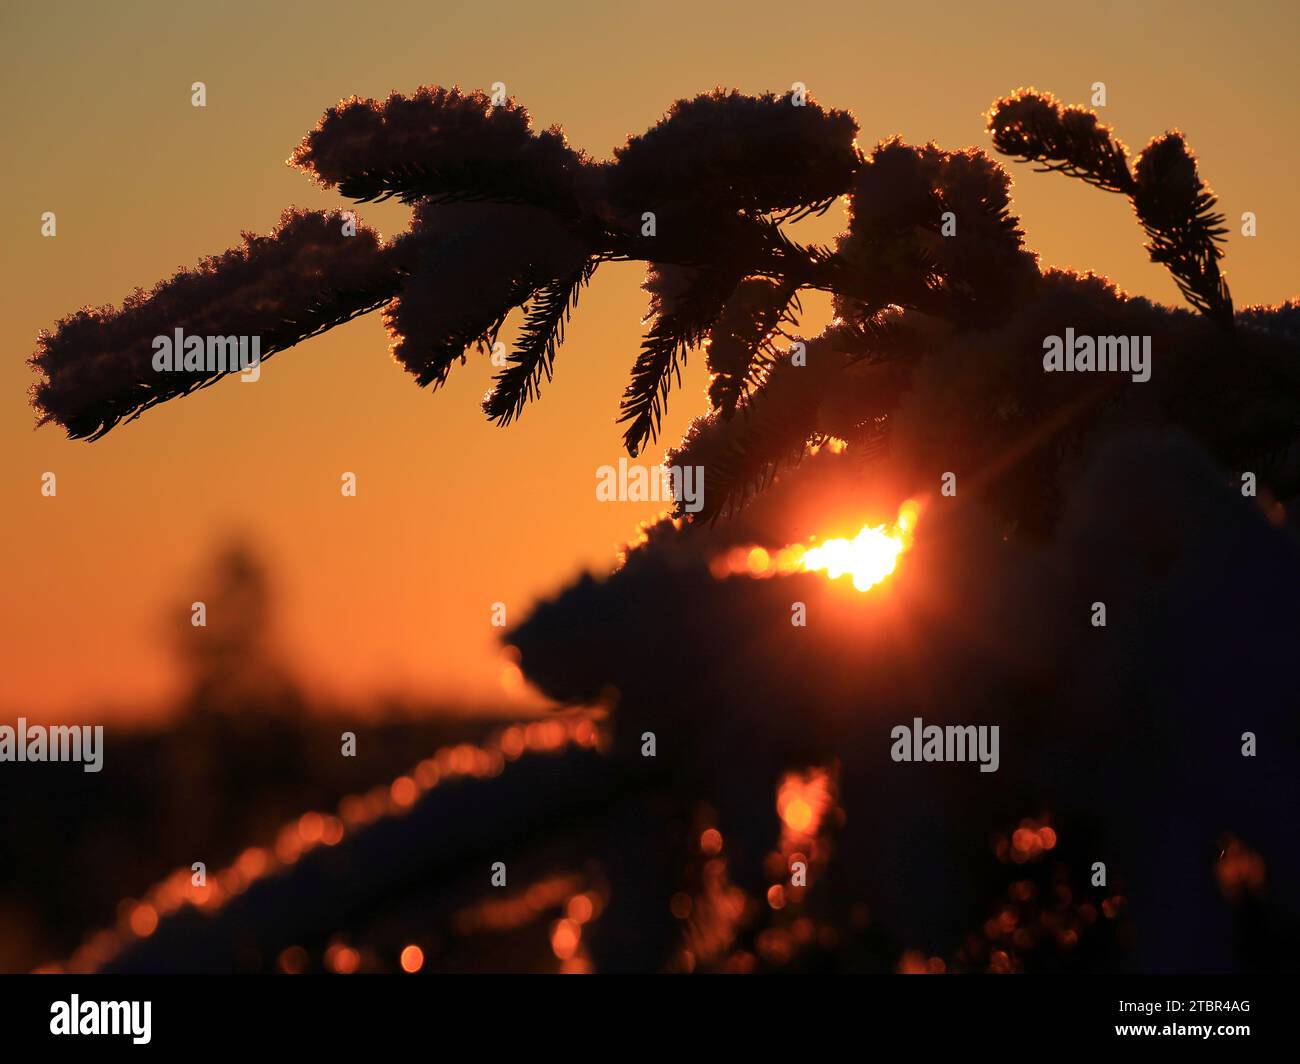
{"x": 1129, "y": 736}
{"x": 442, "y": 146}
{"x": 1175, "y": 207}
{"x": 932, "y": 261}
{"x": 304, "y": 278}
{"x": 934, "y": 360}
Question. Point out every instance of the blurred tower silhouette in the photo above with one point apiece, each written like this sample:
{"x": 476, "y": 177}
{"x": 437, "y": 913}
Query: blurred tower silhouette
{"x": 241, "y": 716}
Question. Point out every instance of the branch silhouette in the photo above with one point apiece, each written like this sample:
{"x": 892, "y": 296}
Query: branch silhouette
{"x": 933, "y": 261}
{"x": 935, "y": 352}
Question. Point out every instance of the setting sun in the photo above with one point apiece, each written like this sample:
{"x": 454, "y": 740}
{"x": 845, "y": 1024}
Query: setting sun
{"x": 868, "y": 557}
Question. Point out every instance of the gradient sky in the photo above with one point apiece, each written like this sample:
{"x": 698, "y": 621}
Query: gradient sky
{"x": 392, "y": 591}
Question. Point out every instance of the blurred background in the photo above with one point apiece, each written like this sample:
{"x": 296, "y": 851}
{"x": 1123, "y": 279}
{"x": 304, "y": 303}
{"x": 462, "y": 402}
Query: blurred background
{"x": 373, "y": 614}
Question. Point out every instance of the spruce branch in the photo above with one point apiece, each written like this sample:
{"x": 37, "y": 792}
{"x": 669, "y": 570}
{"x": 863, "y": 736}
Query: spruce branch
{"x": 677, "y": 325}
{"x": 1034, "y": 127}
{"x": 1185, "y": 232}
{"x": 1175, "y": 207}
{"x": 304, "y": 278}
{"x": 740, "y": 341}
{"x": 741, "y": 455}
{"x": 476, "y": 263}
{"x": 444, "y": 145}
{"x": 519, "y": 383}
{"x": 739, "y": 153}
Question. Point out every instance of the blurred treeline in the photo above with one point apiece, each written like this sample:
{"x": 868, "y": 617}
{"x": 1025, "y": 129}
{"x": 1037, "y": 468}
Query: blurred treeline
{"x": 243, "y": 750}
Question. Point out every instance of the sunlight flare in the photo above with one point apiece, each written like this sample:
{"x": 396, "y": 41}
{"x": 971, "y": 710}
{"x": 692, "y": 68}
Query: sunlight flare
{"x": 868, "y": 557}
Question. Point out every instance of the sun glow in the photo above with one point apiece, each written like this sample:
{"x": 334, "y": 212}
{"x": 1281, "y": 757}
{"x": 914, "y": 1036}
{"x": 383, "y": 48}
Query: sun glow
{"x": 868, "y": 557}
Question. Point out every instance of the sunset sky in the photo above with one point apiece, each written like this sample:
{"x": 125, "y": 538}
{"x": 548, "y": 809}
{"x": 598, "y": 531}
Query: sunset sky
{"x": 391, "y": 592}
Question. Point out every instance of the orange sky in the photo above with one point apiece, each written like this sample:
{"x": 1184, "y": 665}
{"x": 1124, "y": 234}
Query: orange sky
{"x": 392, "y": 591}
